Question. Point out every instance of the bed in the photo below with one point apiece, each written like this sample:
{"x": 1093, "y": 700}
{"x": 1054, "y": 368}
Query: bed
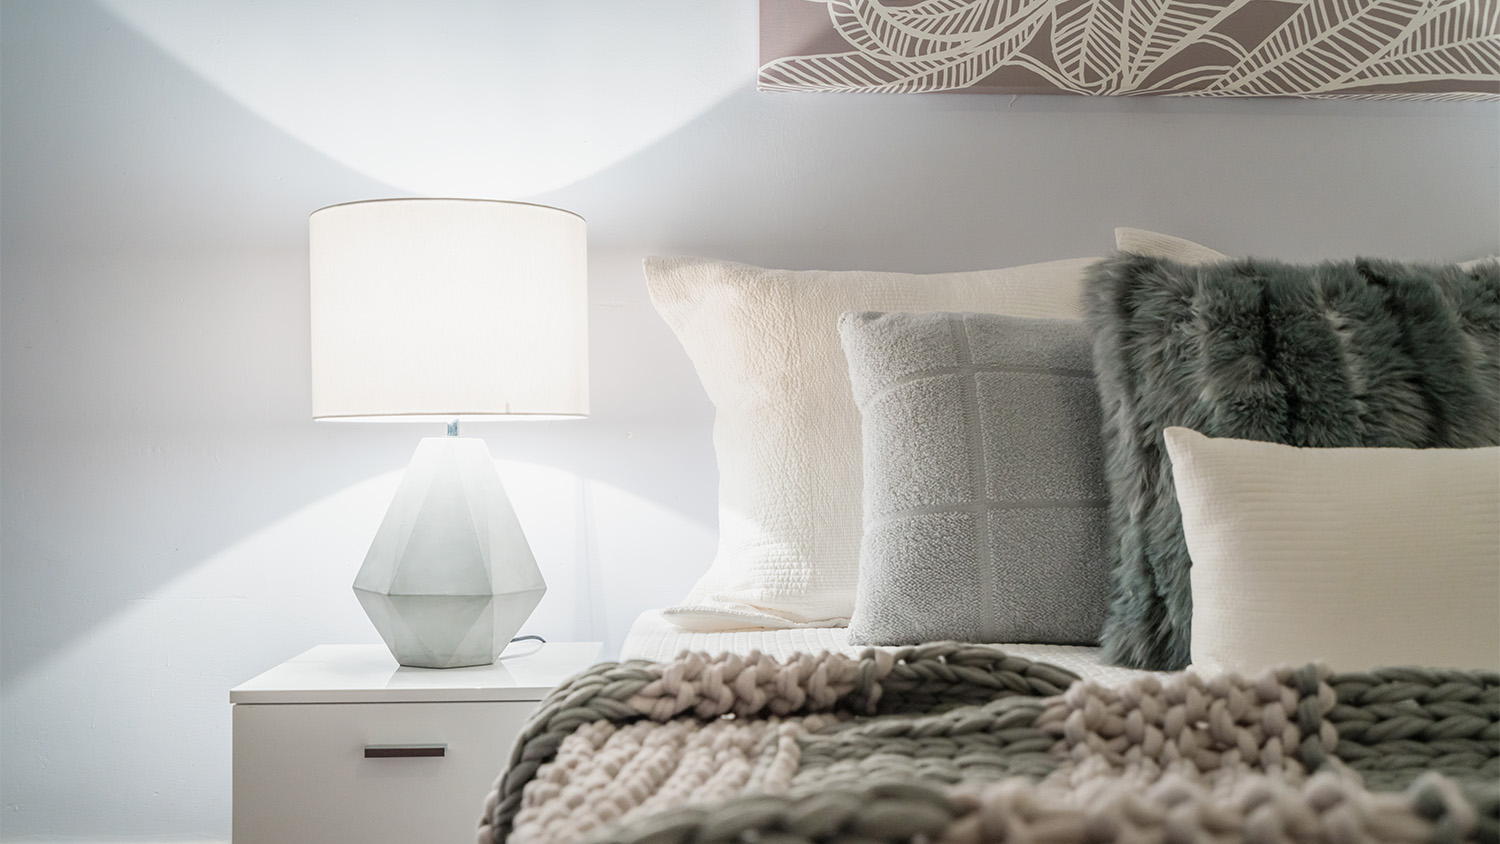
{"x": 1166, "y": 546}
{"x": 654, "y": 638}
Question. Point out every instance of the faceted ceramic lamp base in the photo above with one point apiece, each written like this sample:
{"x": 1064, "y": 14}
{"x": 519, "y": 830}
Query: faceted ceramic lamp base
{"x": 449, "y": 578}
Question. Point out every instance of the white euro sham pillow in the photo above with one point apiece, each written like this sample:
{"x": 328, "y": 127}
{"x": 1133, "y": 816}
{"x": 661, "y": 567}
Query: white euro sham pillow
{"x": 1358, "y": 557}
{"x": 1157, "y": 245}
{"x": 765, "y": 344}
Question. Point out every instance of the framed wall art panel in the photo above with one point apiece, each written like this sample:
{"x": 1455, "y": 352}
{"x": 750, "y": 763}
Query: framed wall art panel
{"x": 1385, "y": 49}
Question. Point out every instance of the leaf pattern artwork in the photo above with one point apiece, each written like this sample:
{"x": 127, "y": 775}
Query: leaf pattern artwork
{"x": 1371, "y": 49}
{"x": 937, "y": 45}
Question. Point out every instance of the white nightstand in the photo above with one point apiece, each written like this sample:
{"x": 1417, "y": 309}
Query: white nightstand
{"x": 341, "y": 744}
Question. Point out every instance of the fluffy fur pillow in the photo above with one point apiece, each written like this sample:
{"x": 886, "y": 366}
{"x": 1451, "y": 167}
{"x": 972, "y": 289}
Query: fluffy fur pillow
{"x": 1341, "y": 354}
{"x": 1158, "y": 245}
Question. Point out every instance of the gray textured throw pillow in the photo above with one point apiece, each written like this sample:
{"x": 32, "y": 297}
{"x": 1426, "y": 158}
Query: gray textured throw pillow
{"x": 984, "y": 502}
{"x": 1341, "y": 354}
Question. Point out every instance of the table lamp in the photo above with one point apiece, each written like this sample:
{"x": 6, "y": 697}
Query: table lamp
{"x": 448, "y": 310}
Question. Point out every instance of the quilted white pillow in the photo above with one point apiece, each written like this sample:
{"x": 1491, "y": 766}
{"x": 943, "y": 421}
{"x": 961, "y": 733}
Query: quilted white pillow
{"x": 766, "y": 345}
{"x": 1360, "y": 557}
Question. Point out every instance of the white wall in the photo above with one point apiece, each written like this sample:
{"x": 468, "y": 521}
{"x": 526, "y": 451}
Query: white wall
{"x": 172, "y": 521}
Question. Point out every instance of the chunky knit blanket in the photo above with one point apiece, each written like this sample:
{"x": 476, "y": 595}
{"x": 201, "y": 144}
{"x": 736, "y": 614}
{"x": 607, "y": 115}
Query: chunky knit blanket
{"x": 952, "y": 743}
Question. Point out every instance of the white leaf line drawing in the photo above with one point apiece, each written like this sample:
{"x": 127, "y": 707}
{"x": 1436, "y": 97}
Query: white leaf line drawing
{"x": 1360, "y": 49}
{"x": 1133, "y": 40}
{"x": 931, "y": 46}
{"x": 1318, "y": 45}
{"x": 1447, "y": 39}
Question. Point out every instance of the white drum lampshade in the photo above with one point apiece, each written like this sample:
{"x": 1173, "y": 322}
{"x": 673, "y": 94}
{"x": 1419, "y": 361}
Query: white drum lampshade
{"x": 443, "y": 308}
{"x": 447, "y": 310}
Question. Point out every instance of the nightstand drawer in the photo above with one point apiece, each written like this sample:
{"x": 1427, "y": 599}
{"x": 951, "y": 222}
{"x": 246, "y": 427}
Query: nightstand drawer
{"x": 301, "y": 773}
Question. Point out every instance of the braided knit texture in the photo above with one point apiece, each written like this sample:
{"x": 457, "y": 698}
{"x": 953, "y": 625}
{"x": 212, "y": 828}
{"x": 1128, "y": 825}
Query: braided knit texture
{"x": 963, "y": 744}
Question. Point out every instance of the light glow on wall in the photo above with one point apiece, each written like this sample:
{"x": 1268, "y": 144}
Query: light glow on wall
{"x": 514, "y": 107}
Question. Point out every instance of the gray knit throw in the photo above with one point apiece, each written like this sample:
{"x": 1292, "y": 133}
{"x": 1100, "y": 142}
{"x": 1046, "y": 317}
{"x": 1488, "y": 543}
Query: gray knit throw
{"x": 954, "y": 743}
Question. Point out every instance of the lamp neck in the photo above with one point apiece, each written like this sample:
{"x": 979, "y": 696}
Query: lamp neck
{"x": 453, "y": 428}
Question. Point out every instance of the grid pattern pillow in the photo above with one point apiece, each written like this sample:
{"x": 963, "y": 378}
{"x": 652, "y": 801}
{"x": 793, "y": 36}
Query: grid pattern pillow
{"x": 984, "y": 504}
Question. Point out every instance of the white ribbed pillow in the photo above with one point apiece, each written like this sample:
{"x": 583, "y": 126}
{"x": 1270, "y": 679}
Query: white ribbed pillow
{"x": 1360, "y": 557}
{"x": 765, "y": 344}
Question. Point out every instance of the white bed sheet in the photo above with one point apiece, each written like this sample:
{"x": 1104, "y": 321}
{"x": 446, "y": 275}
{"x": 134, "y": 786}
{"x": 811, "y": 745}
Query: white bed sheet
{"x": 653, "y": 637}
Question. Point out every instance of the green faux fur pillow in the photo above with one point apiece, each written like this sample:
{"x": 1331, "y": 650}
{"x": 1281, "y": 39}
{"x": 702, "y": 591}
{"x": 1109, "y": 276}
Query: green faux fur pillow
{"x": 1341, "y": 354}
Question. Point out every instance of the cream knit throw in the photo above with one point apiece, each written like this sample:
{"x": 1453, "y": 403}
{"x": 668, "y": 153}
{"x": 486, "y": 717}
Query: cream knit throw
{"x": 955, "y": 743}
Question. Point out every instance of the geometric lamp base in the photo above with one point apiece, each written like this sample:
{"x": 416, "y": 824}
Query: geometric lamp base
{"x": 449, "y": 578}
{"x": 447, "y": 631}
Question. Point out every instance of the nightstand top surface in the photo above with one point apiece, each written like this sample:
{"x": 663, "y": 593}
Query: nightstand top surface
{"x": 369, "y": 674}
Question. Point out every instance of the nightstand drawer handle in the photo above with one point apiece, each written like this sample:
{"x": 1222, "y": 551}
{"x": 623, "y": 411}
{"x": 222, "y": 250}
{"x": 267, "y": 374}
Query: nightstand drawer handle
{"x": 404, "y": 751}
